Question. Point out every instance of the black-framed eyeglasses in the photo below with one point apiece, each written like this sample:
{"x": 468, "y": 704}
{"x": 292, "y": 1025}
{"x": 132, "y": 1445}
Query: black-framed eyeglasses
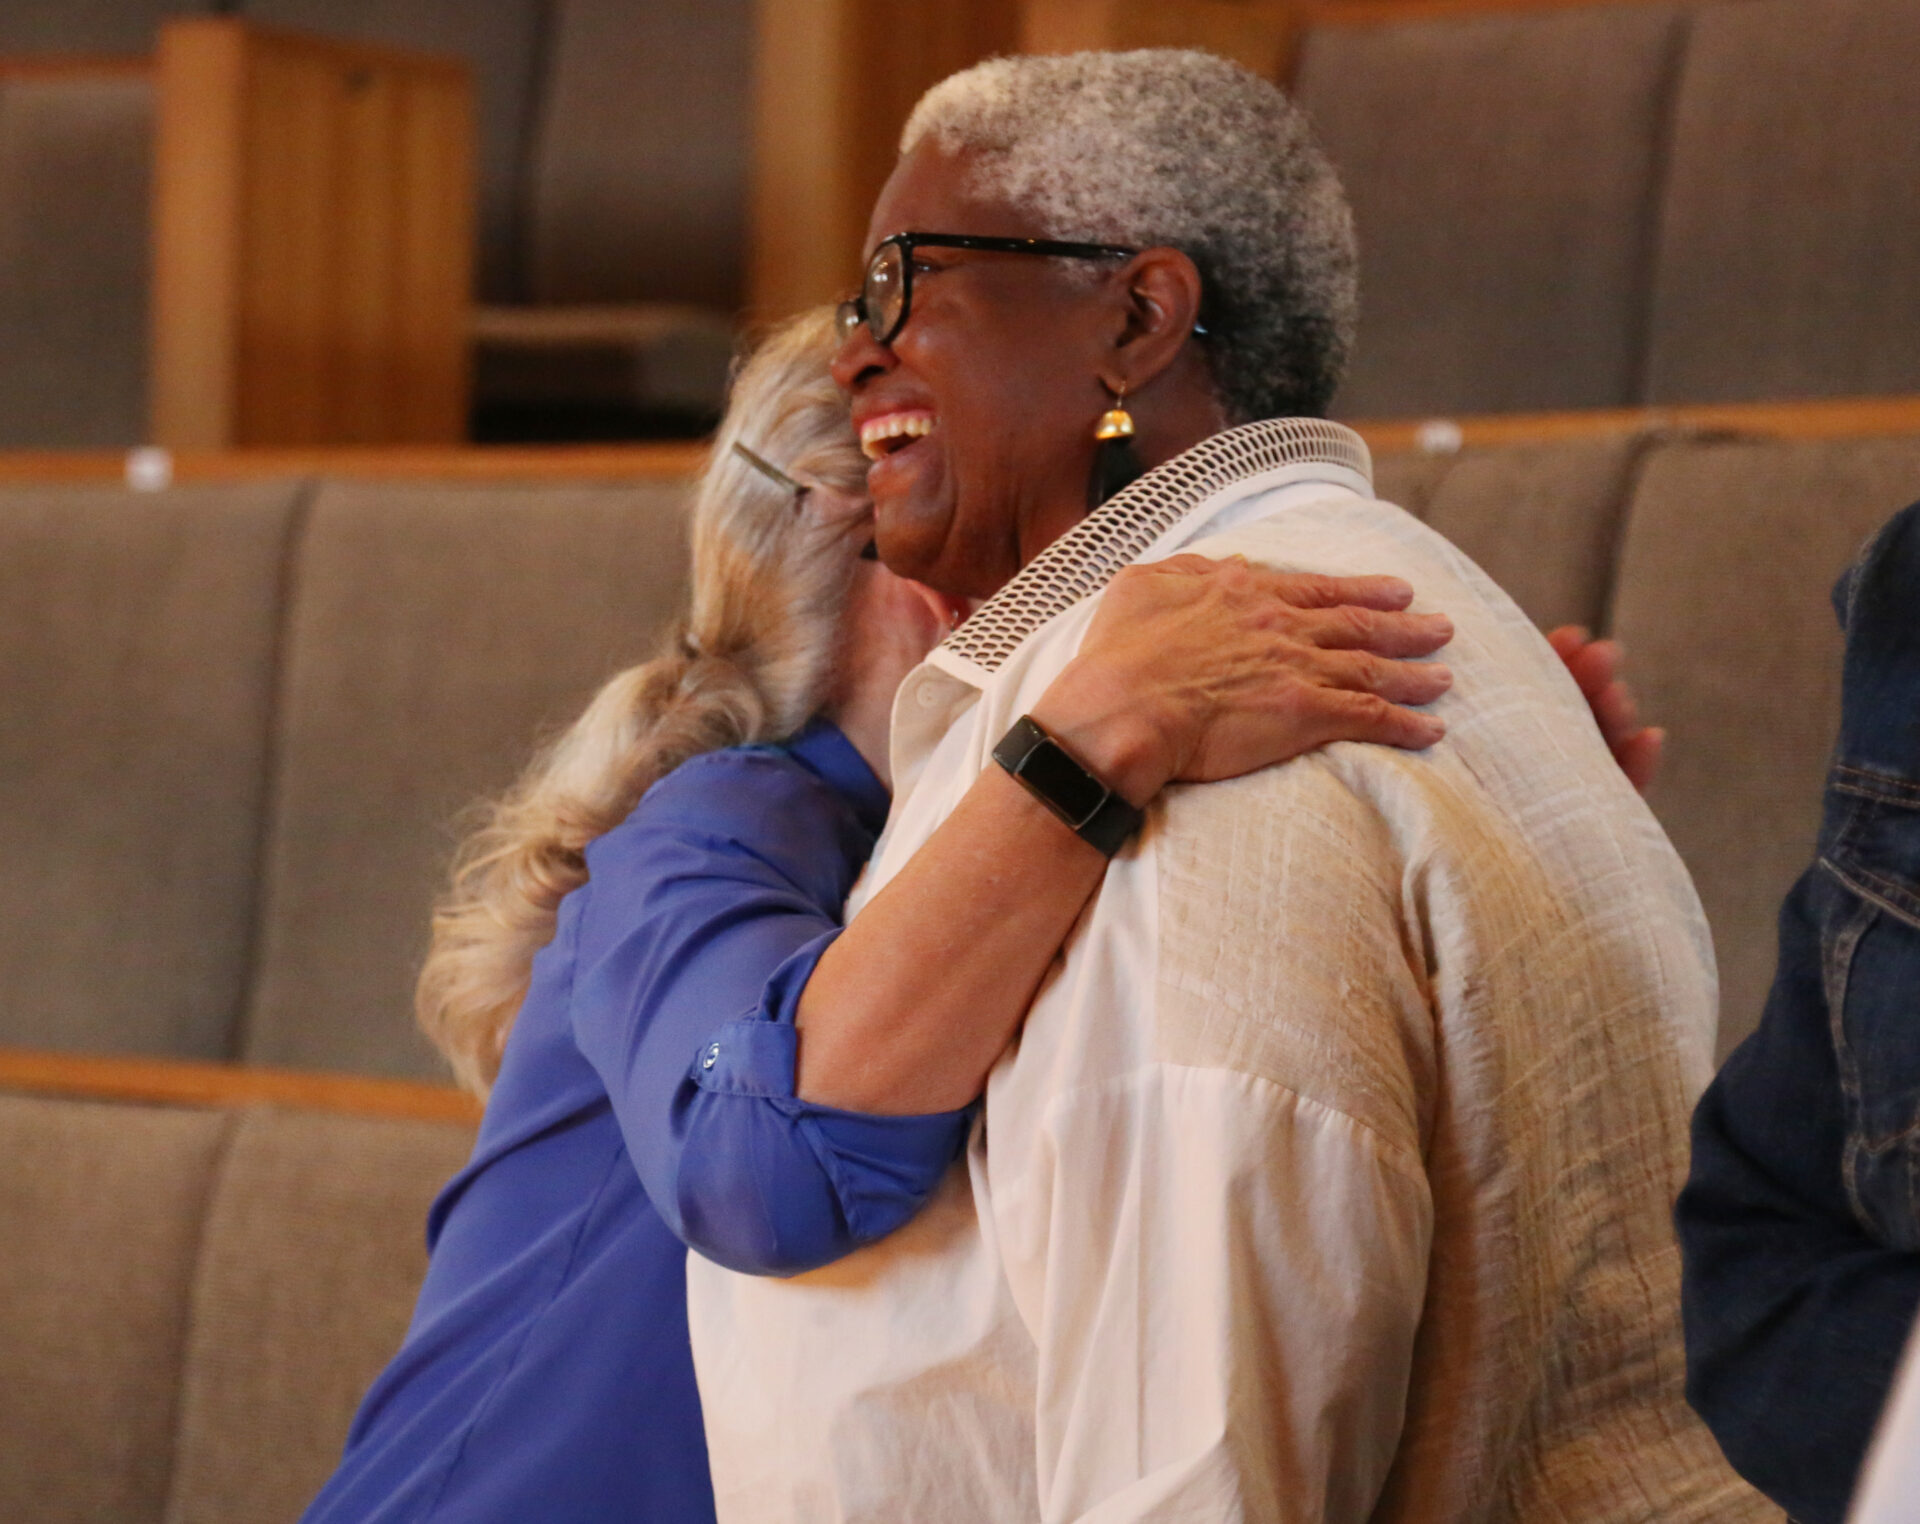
{"x": 886, "y": 295}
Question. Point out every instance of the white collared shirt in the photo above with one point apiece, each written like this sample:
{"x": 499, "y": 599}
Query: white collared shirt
{"x": 1329, "y": 1178}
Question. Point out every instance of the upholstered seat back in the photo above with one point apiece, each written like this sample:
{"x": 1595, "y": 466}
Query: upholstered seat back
{"x": 1503, "y": 172}
{"x": 434, "y": 635}
{"x": 138, "y": 647}
{"x": 1789, "y": 257}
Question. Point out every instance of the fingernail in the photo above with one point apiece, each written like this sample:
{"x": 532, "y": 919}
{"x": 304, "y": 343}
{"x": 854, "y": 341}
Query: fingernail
{"x": 1442, "y": 672}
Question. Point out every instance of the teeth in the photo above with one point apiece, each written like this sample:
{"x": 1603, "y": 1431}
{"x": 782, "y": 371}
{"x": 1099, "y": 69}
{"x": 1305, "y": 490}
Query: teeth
{"x": 893, "y": 426}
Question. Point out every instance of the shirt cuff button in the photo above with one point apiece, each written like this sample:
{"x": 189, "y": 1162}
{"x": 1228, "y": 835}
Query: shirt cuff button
{"x": 711, "y": 1057}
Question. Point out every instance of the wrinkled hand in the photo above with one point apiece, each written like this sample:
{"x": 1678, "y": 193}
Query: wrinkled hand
{"x": 1595, "y": 665}
{"x": 1195, "y": 670}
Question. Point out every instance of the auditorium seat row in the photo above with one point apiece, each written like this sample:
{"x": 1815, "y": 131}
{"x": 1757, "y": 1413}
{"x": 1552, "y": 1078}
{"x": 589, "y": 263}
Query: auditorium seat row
{"x": 194, "y": 1298}
{"x": 243, "y": 719}
{"x": 1600, "y": 206}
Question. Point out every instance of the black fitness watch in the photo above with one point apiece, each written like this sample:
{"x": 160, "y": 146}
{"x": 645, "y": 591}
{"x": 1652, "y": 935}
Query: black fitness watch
{"x": 1065, "y": 785}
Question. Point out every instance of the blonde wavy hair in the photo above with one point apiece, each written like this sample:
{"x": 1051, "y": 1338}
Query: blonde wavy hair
{"x": 751, "y": 660}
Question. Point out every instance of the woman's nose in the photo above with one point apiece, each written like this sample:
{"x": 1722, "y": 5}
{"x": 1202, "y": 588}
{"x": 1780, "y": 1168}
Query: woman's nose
{"x": 859, "y": 359}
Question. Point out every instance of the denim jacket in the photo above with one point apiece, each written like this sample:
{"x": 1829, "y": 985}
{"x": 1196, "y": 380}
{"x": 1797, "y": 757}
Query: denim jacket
{"x": 1800, "y": 1222}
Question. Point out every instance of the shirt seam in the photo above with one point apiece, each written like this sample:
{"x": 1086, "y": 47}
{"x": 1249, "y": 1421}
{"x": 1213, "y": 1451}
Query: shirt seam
{"x": 485, "y": 1405}
{"x": 1403, "y": 1161}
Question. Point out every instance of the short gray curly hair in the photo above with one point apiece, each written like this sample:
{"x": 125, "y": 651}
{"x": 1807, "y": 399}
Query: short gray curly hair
{"x": 1175, "y": 147}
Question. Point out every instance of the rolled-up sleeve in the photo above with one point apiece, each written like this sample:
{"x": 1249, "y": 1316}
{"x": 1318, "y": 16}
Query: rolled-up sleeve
{"x": 709, "y": 909}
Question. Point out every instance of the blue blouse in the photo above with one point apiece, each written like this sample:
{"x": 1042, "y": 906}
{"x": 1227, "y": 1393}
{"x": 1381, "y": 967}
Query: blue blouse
{"x": 547, "y": 1374}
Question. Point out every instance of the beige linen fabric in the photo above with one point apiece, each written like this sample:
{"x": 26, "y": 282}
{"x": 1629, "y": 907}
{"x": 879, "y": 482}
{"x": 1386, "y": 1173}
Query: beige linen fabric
{"x": 1330, "y": 1177}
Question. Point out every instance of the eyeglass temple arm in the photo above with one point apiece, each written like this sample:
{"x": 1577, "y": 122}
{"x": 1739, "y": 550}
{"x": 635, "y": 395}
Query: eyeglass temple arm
{"x": 769, "y": 470}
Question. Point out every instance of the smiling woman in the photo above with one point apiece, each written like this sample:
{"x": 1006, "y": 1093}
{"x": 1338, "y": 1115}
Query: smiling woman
{"x": 1307, "y": 1192}
{"x": 1205, "y": 299}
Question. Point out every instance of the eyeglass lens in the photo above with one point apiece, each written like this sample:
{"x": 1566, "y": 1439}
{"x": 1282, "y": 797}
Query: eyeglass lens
{"x": 884, "y": 294}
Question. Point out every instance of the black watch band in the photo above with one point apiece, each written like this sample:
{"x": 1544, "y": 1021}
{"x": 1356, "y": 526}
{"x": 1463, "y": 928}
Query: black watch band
{"x": 1065, "y": 785}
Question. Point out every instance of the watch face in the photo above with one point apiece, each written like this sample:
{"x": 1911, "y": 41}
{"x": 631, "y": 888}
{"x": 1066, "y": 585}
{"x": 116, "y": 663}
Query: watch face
{"x": 1063, "y": 781}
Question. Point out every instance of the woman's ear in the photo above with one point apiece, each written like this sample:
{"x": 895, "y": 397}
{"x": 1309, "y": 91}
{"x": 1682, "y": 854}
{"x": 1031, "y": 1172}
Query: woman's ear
{"x": 1163, "y": 291}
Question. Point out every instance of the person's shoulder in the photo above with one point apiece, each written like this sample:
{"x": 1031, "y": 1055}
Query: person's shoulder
{"x": 761, "y": 797}
{"x": 1343, "y": 533}
{"x": 762, "y": 765}
{"x": 722, "y": 784}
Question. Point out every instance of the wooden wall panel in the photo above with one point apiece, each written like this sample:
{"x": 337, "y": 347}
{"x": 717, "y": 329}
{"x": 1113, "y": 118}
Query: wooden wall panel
{"x": 1257, "y": 33}
{"x": 199, "y": 170}
{"x": 314, "y": 226}
{"x": 834, "y": 81}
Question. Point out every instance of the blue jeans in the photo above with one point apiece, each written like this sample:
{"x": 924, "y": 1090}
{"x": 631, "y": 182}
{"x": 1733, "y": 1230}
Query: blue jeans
{"x": 1800, "y": 1221}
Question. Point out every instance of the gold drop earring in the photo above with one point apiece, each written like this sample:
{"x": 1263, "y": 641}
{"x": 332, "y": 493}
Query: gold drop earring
{"x": 1116, "y": 463}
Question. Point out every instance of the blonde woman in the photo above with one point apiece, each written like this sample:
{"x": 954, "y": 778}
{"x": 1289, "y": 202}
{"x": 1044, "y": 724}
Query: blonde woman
{"x": 619, "y": 960}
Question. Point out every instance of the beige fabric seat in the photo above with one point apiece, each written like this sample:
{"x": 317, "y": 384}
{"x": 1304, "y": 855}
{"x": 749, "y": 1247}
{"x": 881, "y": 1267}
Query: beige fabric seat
{"x": 1502, "y": 170}
{"x": 1543, "y": 521}
{"x": 138, "y": 640}
{"x": 1789, "y": 260}
{"x": 435, "y": 633}
{"x": 314, "y": 1244}
{"x": 1721, "y": 598}
{"x": 192, "y": 1302}
{"x": 100, "y": 1210}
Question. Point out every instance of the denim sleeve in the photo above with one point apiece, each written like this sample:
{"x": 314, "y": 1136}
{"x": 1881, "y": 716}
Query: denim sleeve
{"x": 709, "y": 909}
{"x": 1795, "y": 1312}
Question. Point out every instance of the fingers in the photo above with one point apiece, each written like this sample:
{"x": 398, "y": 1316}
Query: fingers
{"x": 1310, "y": 590}
{"x": 1302, "y": 590}
{"x": 1593, "y": 664}
{"x": 1595, "y": 667}
{"x": 1351, "y": 628}
{"x": 1615, "y": 712}
{"x": 1639, "y": 756}
{"x": 1341, "y": 714}
{"x": 1399, "y": 682}
{"x": 1568, "y": 640}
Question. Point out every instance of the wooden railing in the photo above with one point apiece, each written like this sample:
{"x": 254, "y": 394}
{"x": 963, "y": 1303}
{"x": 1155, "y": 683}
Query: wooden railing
{"x": 1825, "y": 418}
{"x": 178, "y": 1083}
{"x": 151, "y": 470}
{"x": 1836, "y": 418}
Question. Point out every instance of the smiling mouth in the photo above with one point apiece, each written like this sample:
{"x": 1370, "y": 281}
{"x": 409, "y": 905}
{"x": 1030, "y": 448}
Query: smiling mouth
{"x": 893, "y": 431}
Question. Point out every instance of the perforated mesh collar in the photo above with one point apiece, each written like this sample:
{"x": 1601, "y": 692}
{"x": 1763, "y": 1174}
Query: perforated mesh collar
{"x": 1084, "y": 559}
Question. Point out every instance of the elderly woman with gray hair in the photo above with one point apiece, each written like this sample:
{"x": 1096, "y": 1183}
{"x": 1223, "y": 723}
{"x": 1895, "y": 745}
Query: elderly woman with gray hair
{"x": 1329, "y": 1175}
{"x": 680, "y": 857}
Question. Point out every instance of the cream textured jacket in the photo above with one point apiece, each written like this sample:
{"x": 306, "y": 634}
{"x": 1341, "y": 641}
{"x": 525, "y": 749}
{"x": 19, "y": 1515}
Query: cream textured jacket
{"x": 1330, "y": 1176}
